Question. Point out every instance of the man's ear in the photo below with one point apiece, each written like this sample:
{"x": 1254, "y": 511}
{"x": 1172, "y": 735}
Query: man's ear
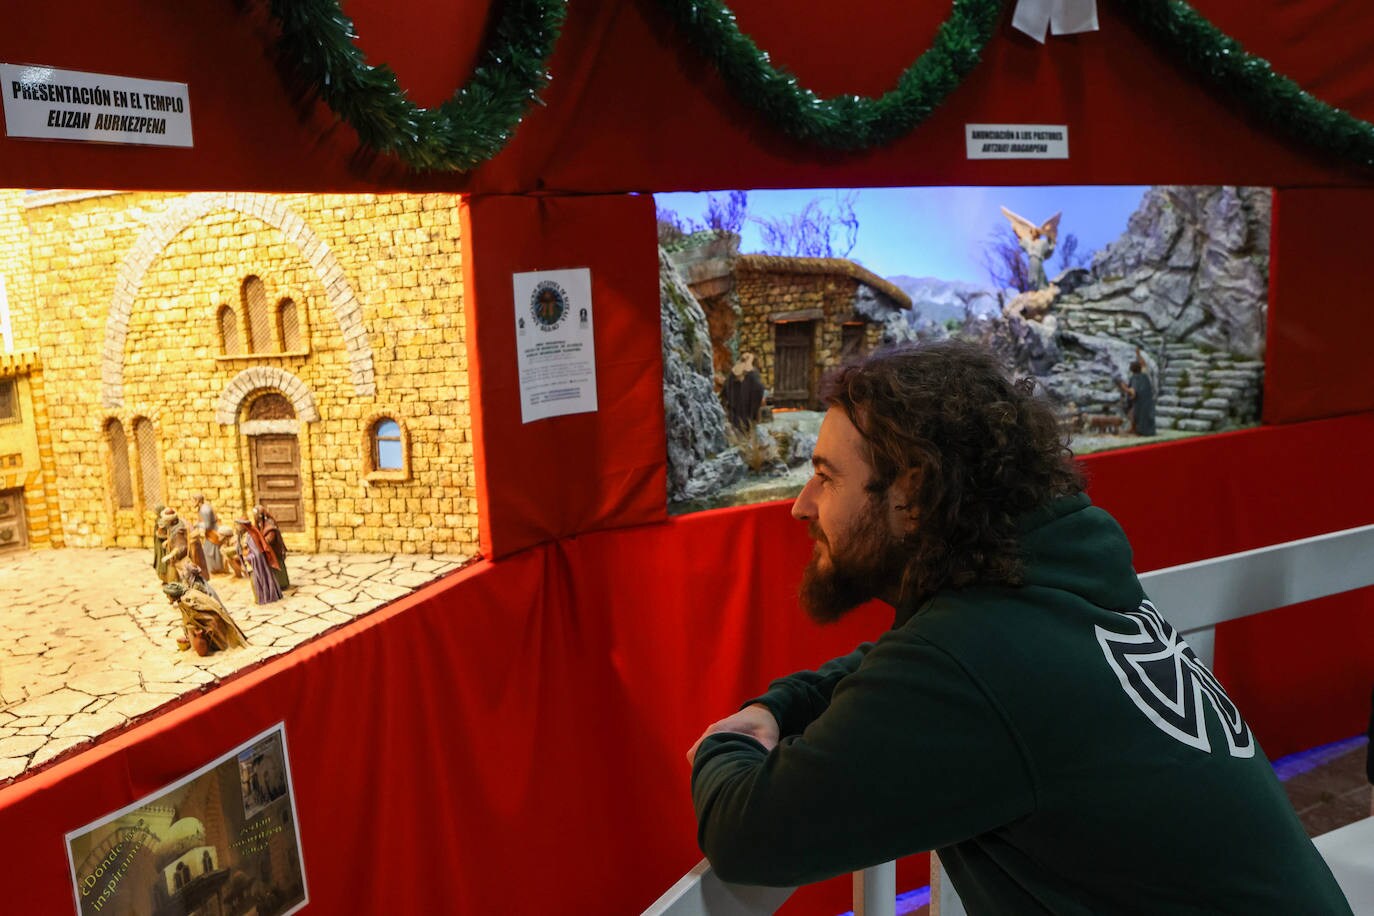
{"x": 904, "y": 497}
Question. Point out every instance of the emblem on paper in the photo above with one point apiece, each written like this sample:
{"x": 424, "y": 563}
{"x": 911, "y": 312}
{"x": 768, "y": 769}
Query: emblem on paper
{"x": 549, "y": 305}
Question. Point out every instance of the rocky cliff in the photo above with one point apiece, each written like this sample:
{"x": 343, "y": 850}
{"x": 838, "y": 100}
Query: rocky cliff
{"x": 1187, "y": 284}
{"x": 698, "y": 460}
{"x": 1193, "y": 264}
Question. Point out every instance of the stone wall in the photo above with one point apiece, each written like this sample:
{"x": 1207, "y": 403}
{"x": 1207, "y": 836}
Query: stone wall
{"x": 126, "y": 312}
{"x": 1203, "y": 389}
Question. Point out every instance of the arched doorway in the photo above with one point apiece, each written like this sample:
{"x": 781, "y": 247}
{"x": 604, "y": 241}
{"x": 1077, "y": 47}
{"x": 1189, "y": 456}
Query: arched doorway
{"x": 274, "y": 456}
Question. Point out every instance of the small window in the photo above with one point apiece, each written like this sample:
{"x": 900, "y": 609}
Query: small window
{"x": 118, "y": 445}
{"x": 228, "y": 331}
{"x": 290, "y": 326}
{"x": 259, "y": 317}
{"x": 9, "y": 401}
{"x": 150, "y": 475}
{"x": 386, "y": 446}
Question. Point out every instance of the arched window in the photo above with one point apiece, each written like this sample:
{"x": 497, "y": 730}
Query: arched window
{"x": 386, "y": 449}
{"x": 149, "y": 474}
{"x": 228, "y": 331}
{"x": 386, "y": 446}
{"x": 119, "y": 463}
{"x": 259, "y": 317}
{"x": 290, "y": 326}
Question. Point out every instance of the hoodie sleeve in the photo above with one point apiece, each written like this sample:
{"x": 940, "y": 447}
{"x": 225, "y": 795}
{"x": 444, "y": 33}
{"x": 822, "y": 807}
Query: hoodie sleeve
{"x": 798, "y": 699}
{"x": 909, "y": 754}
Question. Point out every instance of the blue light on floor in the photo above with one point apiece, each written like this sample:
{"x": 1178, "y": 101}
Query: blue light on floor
{"x": 909, "y": 902}
{"x": 1285, "y": 768}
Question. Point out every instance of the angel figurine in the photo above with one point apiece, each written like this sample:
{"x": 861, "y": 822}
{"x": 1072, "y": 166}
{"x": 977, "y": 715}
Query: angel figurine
{"x": 1037, "y": 242}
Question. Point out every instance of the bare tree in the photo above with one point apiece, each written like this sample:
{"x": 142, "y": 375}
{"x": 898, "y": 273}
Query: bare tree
{"x": 728, "y": 215}
{"x": 673, "y": 227}
{"x": 819, "y": 230}
{"x": 1069, "y": 255}
{"x": 1006, "y": 264}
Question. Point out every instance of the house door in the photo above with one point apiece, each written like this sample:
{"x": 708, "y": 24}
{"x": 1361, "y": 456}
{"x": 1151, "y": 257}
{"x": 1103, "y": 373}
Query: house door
{"x": 794, "y": 357}
{"x": 277, "y": 479}
{"x": 13, "y": 530}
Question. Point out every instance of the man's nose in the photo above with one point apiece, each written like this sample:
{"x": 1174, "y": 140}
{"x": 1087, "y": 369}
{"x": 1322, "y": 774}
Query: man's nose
{"x": 804, "y": 507}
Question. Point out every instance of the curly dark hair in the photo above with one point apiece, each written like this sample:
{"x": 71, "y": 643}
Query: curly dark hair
{"x": 989, "y": 451}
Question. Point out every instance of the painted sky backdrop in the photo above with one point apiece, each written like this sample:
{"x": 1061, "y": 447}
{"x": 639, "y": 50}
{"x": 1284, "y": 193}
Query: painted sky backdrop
{"x": 941, "y": 232}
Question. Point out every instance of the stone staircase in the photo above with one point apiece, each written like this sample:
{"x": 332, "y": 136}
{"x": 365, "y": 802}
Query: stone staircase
{"x": 1201, "y": 390}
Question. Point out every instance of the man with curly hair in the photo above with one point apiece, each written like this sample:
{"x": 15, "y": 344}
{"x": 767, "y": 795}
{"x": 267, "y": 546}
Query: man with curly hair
{"x": 1030, "y": 714}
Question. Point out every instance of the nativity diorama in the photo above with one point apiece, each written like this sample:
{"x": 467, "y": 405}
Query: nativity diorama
{"x": 228, "y": 423}
{"x": 1155, "y": 335}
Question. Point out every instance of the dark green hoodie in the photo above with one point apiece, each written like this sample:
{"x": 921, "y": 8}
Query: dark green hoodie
{"x": 1056, "y": 742}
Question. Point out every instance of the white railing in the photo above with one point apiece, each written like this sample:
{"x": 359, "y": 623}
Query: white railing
{"x": 1194, "y": 597}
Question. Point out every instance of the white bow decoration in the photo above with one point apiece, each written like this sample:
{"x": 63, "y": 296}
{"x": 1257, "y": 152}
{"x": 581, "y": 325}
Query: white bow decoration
{"x": 1062, "y": 17}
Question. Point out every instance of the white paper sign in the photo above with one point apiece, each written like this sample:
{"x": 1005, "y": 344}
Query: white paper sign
{"x": 52, "y": 104}
{"x": 1017, "y": 141}
{"x": 553, "y": 341}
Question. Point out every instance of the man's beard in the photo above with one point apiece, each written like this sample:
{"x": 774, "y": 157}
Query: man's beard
{"x": 870, "y": 564}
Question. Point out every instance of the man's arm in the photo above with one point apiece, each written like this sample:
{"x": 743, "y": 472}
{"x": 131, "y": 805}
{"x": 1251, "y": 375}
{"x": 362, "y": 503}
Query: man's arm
{"x": 791, "y": 703}
{"x": 910, "y": 754}
{"x": 798, "y": 699}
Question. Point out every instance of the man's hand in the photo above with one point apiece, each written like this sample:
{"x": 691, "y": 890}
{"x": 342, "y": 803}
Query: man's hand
{"x": 754, "y": 720}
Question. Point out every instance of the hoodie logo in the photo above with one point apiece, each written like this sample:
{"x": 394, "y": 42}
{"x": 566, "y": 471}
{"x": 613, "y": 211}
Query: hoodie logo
{"x": 1167, "y": 682}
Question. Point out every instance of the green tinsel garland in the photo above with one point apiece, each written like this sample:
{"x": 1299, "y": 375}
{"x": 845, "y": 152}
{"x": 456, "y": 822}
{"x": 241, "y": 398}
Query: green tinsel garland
{"x": 1251, "y": 80}
{"x": 847, "y": 122}
{"x": 854, "y": 122}
{"x": 479, "y": 120}
{"x": 466, "y": 130}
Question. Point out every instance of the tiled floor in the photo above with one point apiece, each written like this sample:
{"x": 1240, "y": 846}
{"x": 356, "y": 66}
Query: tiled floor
{"x": 1327, "y": 785}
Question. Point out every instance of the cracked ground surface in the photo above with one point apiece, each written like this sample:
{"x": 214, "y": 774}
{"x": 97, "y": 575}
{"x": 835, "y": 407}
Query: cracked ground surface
{"x": 90, "y": 640}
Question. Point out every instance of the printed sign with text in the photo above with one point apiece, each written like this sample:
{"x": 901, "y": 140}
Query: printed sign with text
{"x": 222, "y": 840}
{"x": 50, "y": 104}
{"x": 1017, "y": 141}
{"x": 555, "y": 348}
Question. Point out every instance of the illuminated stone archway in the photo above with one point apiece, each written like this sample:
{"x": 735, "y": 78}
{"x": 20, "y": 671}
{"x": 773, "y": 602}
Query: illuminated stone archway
{"x": 257, "y": 378}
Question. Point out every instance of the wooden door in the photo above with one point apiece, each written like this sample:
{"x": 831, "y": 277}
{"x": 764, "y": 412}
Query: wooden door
{"x": 277, "y": 479}
{"x": 14, "y": 533}
{"x": 794, "y": 358}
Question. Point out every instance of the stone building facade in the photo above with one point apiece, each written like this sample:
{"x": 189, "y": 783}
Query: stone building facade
{"x": 803, "y": 316}
{"x": 304, "y": 351}
{"x": 29, "y": 514}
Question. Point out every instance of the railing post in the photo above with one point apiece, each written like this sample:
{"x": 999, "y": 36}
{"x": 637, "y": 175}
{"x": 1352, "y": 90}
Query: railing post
{"x": 944, "y": 899}
{"x": 875, "y": 890}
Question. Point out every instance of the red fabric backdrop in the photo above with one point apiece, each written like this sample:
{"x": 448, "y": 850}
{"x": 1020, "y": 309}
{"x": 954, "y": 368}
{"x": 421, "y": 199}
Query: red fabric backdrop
{"x": 511, "y": 740}
{"x": 1320, "y": 329}
{"x": 565, "y": 475}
